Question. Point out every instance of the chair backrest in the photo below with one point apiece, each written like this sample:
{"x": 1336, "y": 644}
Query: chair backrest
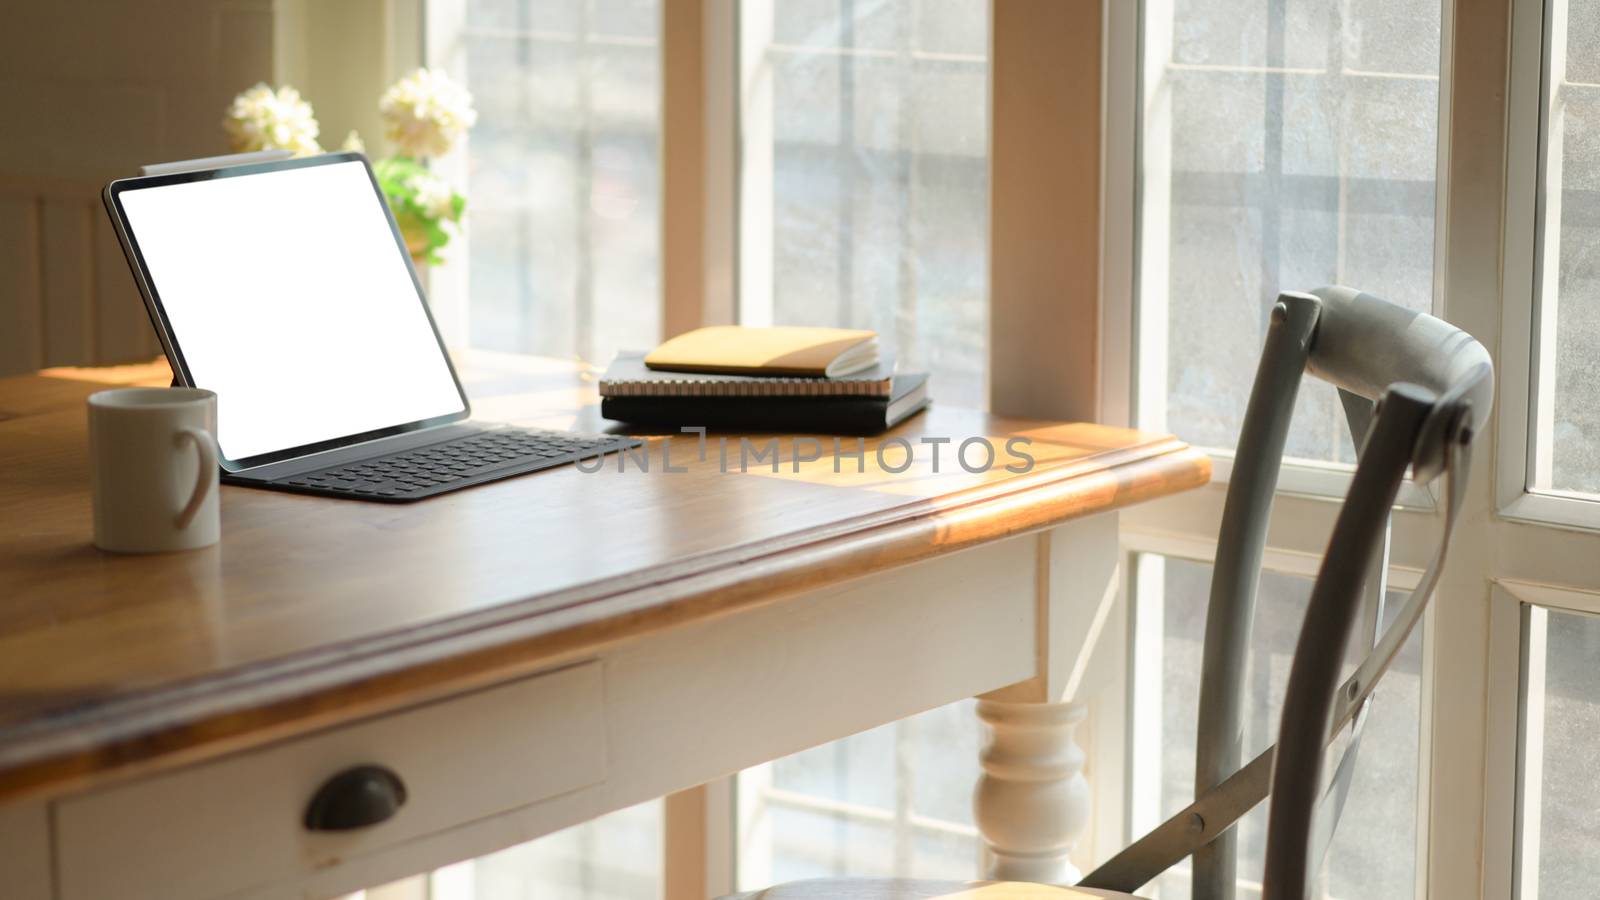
{"x": 1415, "y": 391}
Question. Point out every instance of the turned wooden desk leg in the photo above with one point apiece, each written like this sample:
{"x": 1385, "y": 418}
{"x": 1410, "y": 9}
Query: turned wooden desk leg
{"x": 1032, "y": 801}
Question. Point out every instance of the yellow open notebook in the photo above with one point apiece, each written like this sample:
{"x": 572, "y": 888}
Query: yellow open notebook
{"x": 736, "y": 350}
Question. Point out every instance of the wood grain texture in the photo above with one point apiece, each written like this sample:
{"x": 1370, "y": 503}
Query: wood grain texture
{"x": 312, "y": 611}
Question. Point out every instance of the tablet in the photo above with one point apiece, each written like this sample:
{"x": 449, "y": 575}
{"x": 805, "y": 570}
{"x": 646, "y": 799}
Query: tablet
{"x": 286, "y": 288}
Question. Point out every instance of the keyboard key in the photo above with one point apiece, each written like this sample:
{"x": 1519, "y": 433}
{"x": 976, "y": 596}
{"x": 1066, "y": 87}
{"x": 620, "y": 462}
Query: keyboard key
{"x": 418, "y": 472}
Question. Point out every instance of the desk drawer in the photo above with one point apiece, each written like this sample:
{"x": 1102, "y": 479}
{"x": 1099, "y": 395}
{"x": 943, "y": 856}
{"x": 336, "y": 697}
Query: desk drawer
{"x": 237, "y": 823}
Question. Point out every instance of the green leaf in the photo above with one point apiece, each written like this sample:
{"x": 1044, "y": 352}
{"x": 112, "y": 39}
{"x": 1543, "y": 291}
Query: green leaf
{"x": 394, "y": 176}
{"x": 398, "y": 167}
{"x": 437, "y": 236}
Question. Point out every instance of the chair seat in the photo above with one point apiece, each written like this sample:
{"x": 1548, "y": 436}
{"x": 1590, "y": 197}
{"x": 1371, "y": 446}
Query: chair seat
{"x": 910, "y": 889}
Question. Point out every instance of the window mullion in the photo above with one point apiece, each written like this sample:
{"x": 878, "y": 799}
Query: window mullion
{"x": 1547, "y": 285}
{"x": 1473, "y": 157}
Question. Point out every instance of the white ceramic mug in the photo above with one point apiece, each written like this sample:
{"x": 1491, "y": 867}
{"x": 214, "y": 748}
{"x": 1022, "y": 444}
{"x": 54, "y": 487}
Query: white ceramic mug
{"x": 153, "y": 464}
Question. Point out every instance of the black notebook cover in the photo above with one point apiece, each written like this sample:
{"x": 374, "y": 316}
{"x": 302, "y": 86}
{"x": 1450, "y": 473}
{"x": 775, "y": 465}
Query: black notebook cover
{"x": 800, "y": 415}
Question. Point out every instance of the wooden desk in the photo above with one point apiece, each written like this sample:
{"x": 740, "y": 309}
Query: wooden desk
{"x": 531, "y": 653}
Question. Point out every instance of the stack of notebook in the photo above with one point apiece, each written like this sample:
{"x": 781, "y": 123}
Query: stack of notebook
{"x": 814, "y": 380}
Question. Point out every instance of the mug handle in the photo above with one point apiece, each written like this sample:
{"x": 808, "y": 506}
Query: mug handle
{"x": 206, "y": 446}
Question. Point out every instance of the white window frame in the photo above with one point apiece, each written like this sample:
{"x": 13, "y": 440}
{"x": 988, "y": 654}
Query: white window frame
{"x": 1517, "y": 662}
{"x": 1529, "y": 314}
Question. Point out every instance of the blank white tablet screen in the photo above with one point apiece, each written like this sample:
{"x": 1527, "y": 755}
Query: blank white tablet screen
{"x": 288, "y": 296}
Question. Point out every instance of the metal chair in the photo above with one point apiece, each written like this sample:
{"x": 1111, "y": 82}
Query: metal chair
{"x": 1415, "y": 391}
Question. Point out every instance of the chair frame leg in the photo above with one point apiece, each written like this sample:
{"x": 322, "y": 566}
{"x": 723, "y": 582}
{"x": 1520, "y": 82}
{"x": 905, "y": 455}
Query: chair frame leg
{"x": 1241, "y": 543}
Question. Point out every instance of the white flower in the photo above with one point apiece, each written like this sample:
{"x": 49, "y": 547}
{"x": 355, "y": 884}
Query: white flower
{"x": 426, "y": 113}
{"x": 433, "y": 195}
{"x": 353, "y": 143}
{"x": 264, "y": 119}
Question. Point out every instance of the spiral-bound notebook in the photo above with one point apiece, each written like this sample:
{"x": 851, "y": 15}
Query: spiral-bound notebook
{"x": 627, "y": 376}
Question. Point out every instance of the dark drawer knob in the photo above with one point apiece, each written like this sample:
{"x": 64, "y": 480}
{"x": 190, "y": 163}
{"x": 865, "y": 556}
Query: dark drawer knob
{"x": 356, "y": 798}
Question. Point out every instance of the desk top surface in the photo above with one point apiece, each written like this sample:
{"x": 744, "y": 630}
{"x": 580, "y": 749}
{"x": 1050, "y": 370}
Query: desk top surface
{"x": 315, "y": 610}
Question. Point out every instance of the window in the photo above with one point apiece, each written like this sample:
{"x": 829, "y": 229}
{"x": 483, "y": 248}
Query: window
{"x": 893, "y": 801}
{"x": 1549, "y": 408}
{"x": 1373, "y": 853}
{"x": 1560, "y": 837}
{"x": 563, "y": 176}
{"x": 1282, "y": 145}
{"x": 1285, "y": 146}
{"x": 614, "y": 857}
{"x": 1566, "y": 458}
{"x": 865, "y": 176}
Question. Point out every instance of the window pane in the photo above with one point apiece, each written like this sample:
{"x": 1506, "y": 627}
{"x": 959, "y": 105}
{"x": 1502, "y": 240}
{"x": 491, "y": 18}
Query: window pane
{"x": 896, "y": 800}
{"x": 1567, "y": 443}
{"x": 1374, "y": 851}
{"x": 1560, "y": 842}
{"x": 878, "y": 183}
{"x": 564, "y": 193}
{"x": 614, "y": 857}
{"x": 1286, "y": 145}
